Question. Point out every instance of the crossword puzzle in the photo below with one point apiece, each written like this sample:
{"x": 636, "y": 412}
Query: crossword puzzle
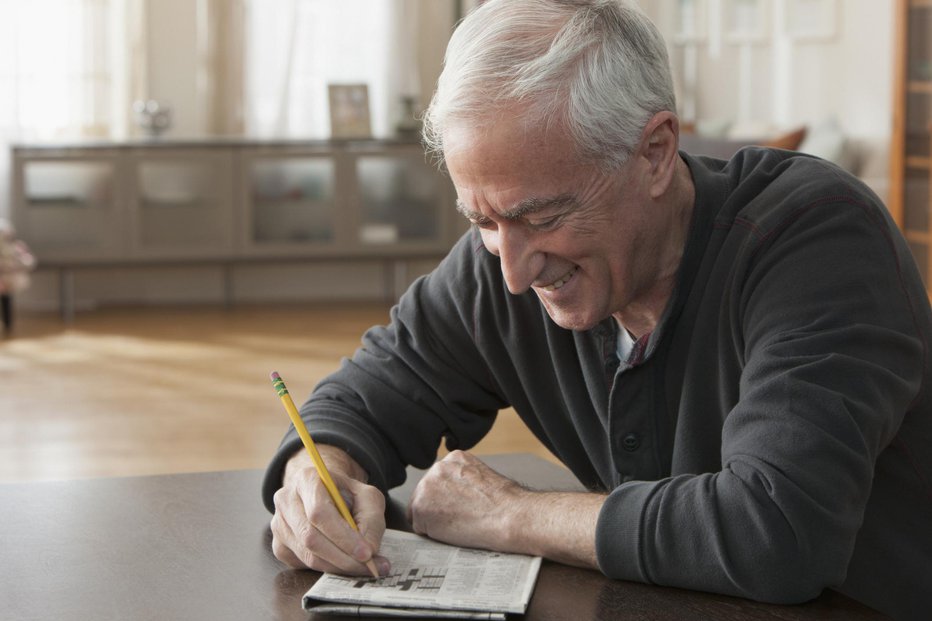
{"x": 415, "y": 578}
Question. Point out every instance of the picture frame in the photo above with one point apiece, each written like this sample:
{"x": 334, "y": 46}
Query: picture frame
{"x": 349, "y": 111}
{"x": 746, "y": 21}
{"x": 691, "y": 22}
{"x": 811, "y": 20}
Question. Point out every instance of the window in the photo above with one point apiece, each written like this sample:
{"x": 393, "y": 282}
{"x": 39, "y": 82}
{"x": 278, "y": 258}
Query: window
{"x": 295, "y": 48}
{"x": 60, "y": 73}
{"x": 57, "y": 65}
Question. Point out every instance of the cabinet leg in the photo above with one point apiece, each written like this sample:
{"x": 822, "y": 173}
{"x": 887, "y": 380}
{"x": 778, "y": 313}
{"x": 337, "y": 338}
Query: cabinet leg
{"x": 228, "y": 292}
{"x": 6, "y": 310}
{"x": 66, "y": 294}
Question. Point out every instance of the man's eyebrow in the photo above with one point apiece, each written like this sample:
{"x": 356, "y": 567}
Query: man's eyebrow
{"x": 523, "y": 208}
{"x": 468, "y": 213}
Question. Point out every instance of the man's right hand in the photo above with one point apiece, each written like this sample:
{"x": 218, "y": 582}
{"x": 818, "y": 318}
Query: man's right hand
{"x": 307, "y": 528}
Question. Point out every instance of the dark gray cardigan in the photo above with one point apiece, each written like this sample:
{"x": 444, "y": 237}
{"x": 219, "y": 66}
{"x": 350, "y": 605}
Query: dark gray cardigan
{"x": 772, "y": 437}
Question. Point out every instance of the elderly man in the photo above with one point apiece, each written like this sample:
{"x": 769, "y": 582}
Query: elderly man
{"x": 732, "y": 356}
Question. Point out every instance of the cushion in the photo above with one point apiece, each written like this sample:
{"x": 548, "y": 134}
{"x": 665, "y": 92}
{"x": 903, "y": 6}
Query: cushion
{"x": 789, "y": 141}
{"x": 827, "y": 141}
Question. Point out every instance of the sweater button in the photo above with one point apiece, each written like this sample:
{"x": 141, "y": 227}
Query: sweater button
{"x": 631, "y": 442}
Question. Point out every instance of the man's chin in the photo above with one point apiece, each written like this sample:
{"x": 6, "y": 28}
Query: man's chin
{"x": 570, "y": 320}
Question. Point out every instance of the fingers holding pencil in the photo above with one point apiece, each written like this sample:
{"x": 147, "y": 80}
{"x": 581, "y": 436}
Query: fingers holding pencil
{"x": 309, "y": 530}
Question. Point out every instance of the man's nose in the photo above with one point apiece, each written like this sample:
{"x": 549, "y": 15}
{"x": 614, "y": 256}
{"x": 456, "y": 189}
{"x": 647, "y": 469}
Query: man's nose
{"x": 518, "y": 256}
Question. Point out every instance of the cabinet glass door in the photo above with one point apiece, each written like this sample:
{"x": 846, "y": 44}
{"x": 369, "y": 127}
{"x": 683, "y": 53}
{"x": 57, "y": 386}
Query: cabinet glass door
{"x": 398, "y": 200}
{"x": 292, "y": 201}
{"x": 67, "y": 208}
{"x": 183, "y": 205}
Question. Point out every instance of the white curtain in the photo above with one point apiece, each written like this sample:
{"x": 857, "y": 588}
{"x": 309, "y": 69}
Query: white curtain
{"x": 295, "y": 48}
{"x": 63, "y": 73}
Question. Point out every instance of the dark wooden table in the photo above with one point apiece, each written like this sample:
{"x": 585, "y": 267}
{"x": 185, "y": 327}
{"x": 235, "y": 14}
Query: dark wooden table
{"x": 196, "y": 546}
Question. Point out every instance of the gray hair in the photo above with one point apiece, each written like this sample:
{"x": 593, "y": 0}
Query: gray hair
{"x": 599, "y": 68}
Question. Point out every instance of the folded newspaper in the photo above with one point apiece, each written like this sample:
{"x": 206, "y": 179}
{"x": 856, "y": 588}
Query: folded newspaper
{"x": 431, "y": 580}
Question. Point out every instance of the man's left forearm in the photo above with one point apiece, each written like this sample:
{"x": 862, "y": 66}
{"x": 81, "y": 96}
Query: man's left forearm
{"x": 559, "y": 526}
{"x": 464, "y": 502}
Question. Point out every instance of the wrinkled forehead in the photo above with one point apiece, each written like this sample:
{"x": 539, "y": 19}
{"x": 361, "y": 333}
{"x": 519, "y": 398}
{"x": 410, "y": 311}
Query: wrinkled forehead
{"x": 506, "y": 141}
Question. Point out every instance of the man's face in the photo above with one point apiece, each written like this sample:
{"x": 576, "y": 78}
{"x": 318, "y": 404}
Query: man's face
{"x": 584, "y": 241}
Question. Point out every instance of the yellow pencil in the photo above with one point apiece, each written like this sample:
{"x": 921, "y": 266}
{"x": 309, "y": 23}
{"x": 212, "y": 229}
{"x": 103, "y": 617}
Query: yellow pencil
{"x": 279, "y": 384}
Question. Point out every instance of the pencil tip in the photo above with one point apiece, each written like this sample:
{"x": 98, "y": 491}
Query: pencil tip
{"x": 274, "y": 375}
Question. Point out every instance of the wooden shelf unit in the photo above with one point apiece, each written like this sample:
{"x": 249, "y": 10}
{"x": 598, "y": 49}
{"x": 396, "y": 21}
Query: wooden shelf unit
{"x": 910, "y": 200}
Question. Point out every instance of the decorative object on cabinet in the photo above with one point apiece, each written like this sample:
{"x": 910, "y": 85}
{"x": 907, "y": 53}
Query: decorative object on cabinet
{"x": 408, "y": 126}
{"x": 349, "y": 110}
{"x": 16, "y": 261}
{"x": 154, "y": 117}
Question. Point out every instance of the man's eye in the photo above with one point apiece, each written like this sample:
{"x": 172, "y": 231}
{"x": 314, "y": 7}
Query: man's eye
{"x": 545, "y": 223}
{"x": 483, "y": 223}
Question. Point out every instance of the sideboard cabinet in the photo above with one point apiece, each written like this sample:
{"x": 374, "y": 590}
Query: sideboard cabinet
{"x": 230, "y": 202}
{"x": 363, "y": 199}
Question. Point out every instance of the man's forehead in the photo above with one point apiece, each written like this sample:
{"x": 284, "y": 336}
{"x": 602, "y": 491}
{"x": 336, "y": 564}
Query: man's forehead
{"x": 505, "y": 137}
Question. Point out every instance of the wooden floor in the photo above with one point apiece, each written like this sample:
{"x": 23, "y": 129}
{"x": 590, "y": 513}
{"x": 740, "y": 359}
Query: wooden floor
{"x": 151, "y": 391}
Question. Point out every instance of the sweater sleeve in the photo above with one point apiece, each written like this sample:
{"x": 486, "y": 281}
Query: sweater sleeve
{"x": 413, "y": 383}
{"x": 830, "y": 360}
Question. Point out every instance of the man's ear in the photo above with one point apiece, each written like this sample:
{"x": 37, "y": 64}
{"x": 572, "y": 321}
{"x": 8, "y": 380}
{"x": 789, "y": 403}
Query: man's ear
{"x": 658, "y": 146}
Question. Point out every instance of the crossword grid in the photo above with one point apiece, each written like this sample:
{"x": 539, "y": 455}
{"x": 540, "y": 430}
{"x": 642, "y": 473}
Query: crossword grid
{"x": 416, "y": 578}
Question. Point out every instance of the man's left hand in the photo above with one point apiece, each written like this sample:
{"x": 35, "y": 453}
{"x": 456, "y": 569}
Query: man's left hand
{"x": 462, "y": 501}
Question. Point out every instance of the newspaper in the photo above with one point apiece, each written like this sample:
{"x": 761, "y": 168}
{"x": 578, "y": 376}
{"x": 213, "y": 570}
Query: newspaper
{"x": 431, "y": 580}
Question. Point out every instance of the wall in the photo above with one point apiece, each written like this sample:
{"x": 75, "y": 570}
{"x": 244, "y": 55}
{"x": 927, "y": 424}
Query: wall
{"x": 848, "y": 77}
{"x": 437, "y": 20}
{"x": 176, "y": 33}
{"x": 174, "y": 59}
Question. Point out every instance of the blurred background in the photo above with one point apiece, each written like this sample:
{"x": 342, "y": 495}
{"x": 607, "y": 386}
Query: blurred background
{"x": 195, "y": 191}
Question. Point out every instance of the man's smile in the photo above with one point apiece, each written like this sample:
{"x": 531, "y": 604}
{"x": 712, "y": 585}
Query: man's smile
{"x": 559, "y": 282}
